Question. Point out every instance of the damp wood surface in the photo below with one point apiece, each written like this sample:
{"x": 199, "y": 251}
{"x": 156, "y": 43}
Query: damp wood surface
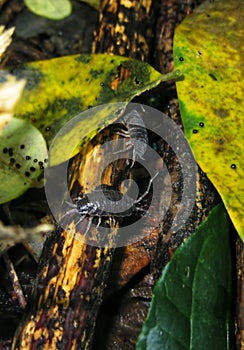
{"x": 72, "y": 276}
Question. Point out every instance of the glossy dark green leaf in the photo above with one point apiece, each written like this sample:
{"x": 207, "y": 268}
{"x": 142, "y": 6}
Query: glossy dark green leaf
{"x": 191, "y": 302}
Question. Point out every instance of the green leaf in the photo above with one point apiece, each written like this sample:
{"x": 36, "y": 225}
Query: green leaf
{"x": 23, "y": 154}
{"x": 208, "y": 47}
{"x": 191, "y": 301}
{"x": 74, "y": 135}
{"x": 51, "y": 9}
{"x": 57, "y": 90}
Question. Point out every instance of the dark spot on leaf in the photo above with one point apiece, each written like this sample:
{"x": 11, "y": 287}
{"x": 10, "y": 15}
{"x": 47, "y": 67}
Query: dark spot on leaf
{"x": 199, "y": 53}
{"x": 48, "y": 128}
{"x": 221, "y": 112}
{"x": 45, "y": 160}
{"x": 27, "y": 174}
{"x": 201, "y": 124}
{"x": 22, "y": 146}
{"x": 33, "y": 120}
{"x": 102, "y": 84}
{"x": 27, "y": 157}
{"x": 220, "y": 141}
{"x": 32, "y": 168}
{"x": 12, "y": 160}
{"x": 72, "y": 78}
{"x": 233, "y": 166}
{"x": 95, "y": 73}
{"x": 213, "y": 76}
{"x": 35, "y": 160}
{"x": 112, "y": 61}
{"x": 10, "y": 152}
{"x": 18, "y": 166}
{"x": 5, "y": 150}
{"x": 41, "y": 165}
{"x": 83, "y": 59}
{"x": 90, "y": 106}
{"x": 181, "y": 59}
{"x": 136, "y": 81}
{"x": 195, "y": 131}
{"x": 202, "y": 86}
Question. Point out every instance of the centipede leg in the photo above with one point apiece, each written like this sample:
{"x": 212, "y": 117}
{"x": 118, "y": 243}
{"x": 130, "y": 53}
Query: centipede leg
{"x": 147, "y": 190}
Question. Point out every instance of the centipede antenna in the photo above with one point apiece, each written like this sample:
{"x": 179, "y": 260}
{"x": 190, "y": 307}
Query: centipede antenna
{"x": 74, "y": 210}
{"x": 72, "y": 205}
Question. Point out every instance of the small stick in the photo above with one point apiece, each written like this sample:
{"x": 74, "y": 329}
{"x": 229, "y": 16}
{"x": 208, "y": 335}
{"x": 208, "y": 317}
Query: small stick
{"x": 18, "y": 292}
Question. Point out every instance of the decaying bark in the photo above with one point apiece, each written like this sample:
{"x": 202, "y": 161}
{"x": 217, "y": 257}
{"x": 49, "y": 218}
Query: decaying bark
{"x": 68, "y": 292}
{"x": 72, "y": 276}
{"x": 126, "y": 28}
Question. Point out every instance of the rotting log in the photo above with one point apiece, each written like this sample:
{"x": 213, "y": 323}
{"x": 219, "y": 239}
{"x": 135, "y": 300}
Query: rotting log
{"x": 69, "y": 288}
{"x": 62, "y": 311}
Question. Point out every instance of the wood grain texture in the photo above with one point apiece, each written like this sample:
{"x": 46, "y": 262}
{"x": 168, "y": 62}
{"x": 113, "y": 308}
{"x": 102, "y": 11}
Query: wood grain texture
{"x": 126, "y": 28}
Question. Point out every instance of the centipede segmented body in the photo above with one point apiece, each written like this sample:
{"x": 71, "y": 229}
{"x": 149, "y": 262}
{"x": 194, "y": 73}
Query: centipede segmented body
{"x": 106, "y": 203}
{"x": 136, "y": 133}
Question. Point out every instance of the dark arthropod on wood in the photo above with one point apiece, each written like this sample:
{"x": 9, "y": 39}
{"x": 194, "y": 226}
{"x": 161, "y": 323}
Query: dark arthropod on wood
{"x": 136, "y": 133}
{"x": 105, "y": 202}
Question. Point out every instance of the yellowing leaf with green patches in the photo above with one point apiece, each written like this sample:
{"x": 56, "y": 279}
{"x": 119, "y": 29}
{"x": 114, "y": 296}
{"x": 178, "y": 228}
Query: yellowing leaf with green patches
{"x": 82, "y": 128}
{"x": 93, "y": 3}
{"x": 23, "y": 154}
{"x": 208, "y": 48}
{"x": 59, "y": 89}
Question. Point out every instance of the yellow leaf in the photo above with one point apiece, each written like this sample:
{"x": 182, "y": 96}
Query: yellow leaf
{"x": 59, "y": 89}
{"x": 208, "y": 48}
